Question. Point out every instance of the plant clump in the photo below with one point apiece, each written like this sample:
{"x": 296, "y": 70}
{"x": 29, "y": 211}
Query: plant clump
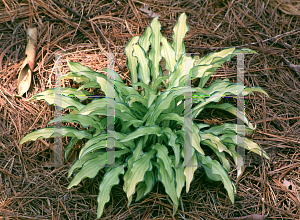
{"x": 149, "y": 129}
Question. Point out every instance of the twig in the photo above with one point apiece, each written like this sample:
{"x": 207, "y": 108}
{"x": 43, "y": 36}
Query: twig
{"x": 283, "y": 138}
{"x": 269, "y": 39}
{"x": 84, "y": 18}
{"x": 8, "y": 173}
{"x": 7, "y": 99}
{"x": 102, "y": 9}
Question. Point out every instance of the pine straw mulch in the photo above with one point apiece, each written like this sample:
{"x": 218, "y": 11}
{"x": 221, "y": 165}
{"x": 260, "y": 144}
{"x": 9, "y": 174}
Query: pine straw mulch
{"x": 32, "y": 188}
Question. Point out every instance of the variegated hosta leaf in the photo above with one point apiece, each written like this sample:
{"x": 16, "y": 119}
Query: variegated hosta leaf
{"x": 220, "y": 155}
{"x": 213, "y": 61}
{"x": 84, "y": 120}
{"x": 136, "y": 155}
{"x": 214, "y": 139}
{"x": 239, "y": 129}
{"x": 246, "y": 143}
{"x": 110, "y": 179}
{"x": 71, "y": 92}
{"x": 53, "y": 132}
{"x": 180, "y": 120}
{"x": 165, "y": 103}
{"x": 143, "y": 188}
{"x": 144, "y": 39}
{"x": 168, "y": 183}
{"x": 69, "y": 146}
{"x": 154, "y": 54}
{"x": 80, "y": 161}
{"x": 180, "y": 179}
{"x": 138, "y": 171}
{"x": 178, "y": 72}
{"x": 180, "y": 29}
{"x": 190, "y": 167}
{"x": 102, "y": 145}
{"x": 76, "y": 77}
{"x": 168, "y": 53}
{"x": 63, "y": 102}
{"x": 113, "y": 74}
{"x": 254, "y": 89}
{"x": 132, "y": 61}
{"x": 142, "y": 131}
{"x": 233, "y": 110}
{"x": 137, "y": 97}
{"x": 162, "y": 153}
{"x": 213, "y": 57}
{"x": 172, "y": 142}
{"x": 83, "y": 71}
{"x": 216, "y": 172}
{"x": 158, "y": 81}
{"x": 143, "y": 66}
{"x": 90, "y": 169}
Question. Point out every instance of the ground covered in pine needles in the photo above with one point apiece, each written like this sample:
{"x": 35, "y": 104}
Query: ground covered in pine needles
{"x": 32, "y": 188}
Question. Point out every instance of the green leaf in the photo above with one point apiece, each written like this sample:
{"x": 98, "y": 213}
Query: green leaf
{"x": 63, "y": 102}
{"x": 142, "y": 131}
{"x": 138, "y": 171}
{"x": 168, "y": 181}
{"x": 144, "y": 39}
{"x": 89, "y": 85}
{"x": 101, "y": 145}
{"x": 180, "y": 179}
{"x": 190, "y": 168}
{"x": 213, "y": 57}
{"x": 220, "y": 155}
{"x": 100, "y": 106}
{"x": 53, "y": 132}
{"x": 143, "y": 65}
{"x": 135, "y": 123}
{"x": 248, "y": 144}
{"x": 162, "y": 153}
{"x": 69, "y": 146}
{"x": 77, "y": 67}
{"x": 71, "y": 92}
{"x": 214, "y": 139}
{"x": 136, "y": 155}
{"x": 132, "y": 61}
{"x": 233, "y": 110}
{"x": 84, "y": 120}
{"x": 164, "y": 103}
{"x": 81, "y": 161}
{"x": 158, "y": 81}
{"x": 216, "y": 172}
{"x": 90, "y": 169}
{"x": 183, "y": 64}
{"x": 143, "y": 188}
{"x": 113, "y": 74}
{"x": 81, "y": 70}
{"x": 180, "y": 29}
{"x": 215, "y": 60}
{"x": 110, "y": 179}
{"x": 139, "y": 98}
{"x": 154, "y": 54}
{"x": 200, "y": 71}
{"x": 239, "y": 129}
{"x": 75, "y": 77}
{"x": 254, "y": 89}
{"x": 180, "y": 120}
{"x": 168, "y": 53}
{"x": 172, "y": 142}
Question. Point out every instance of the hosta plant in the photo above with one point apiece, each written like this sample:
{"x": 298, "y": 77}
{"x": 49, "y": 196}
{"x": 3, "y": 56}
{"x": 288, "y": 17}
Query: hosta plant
{"x": 149, "y": 122}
